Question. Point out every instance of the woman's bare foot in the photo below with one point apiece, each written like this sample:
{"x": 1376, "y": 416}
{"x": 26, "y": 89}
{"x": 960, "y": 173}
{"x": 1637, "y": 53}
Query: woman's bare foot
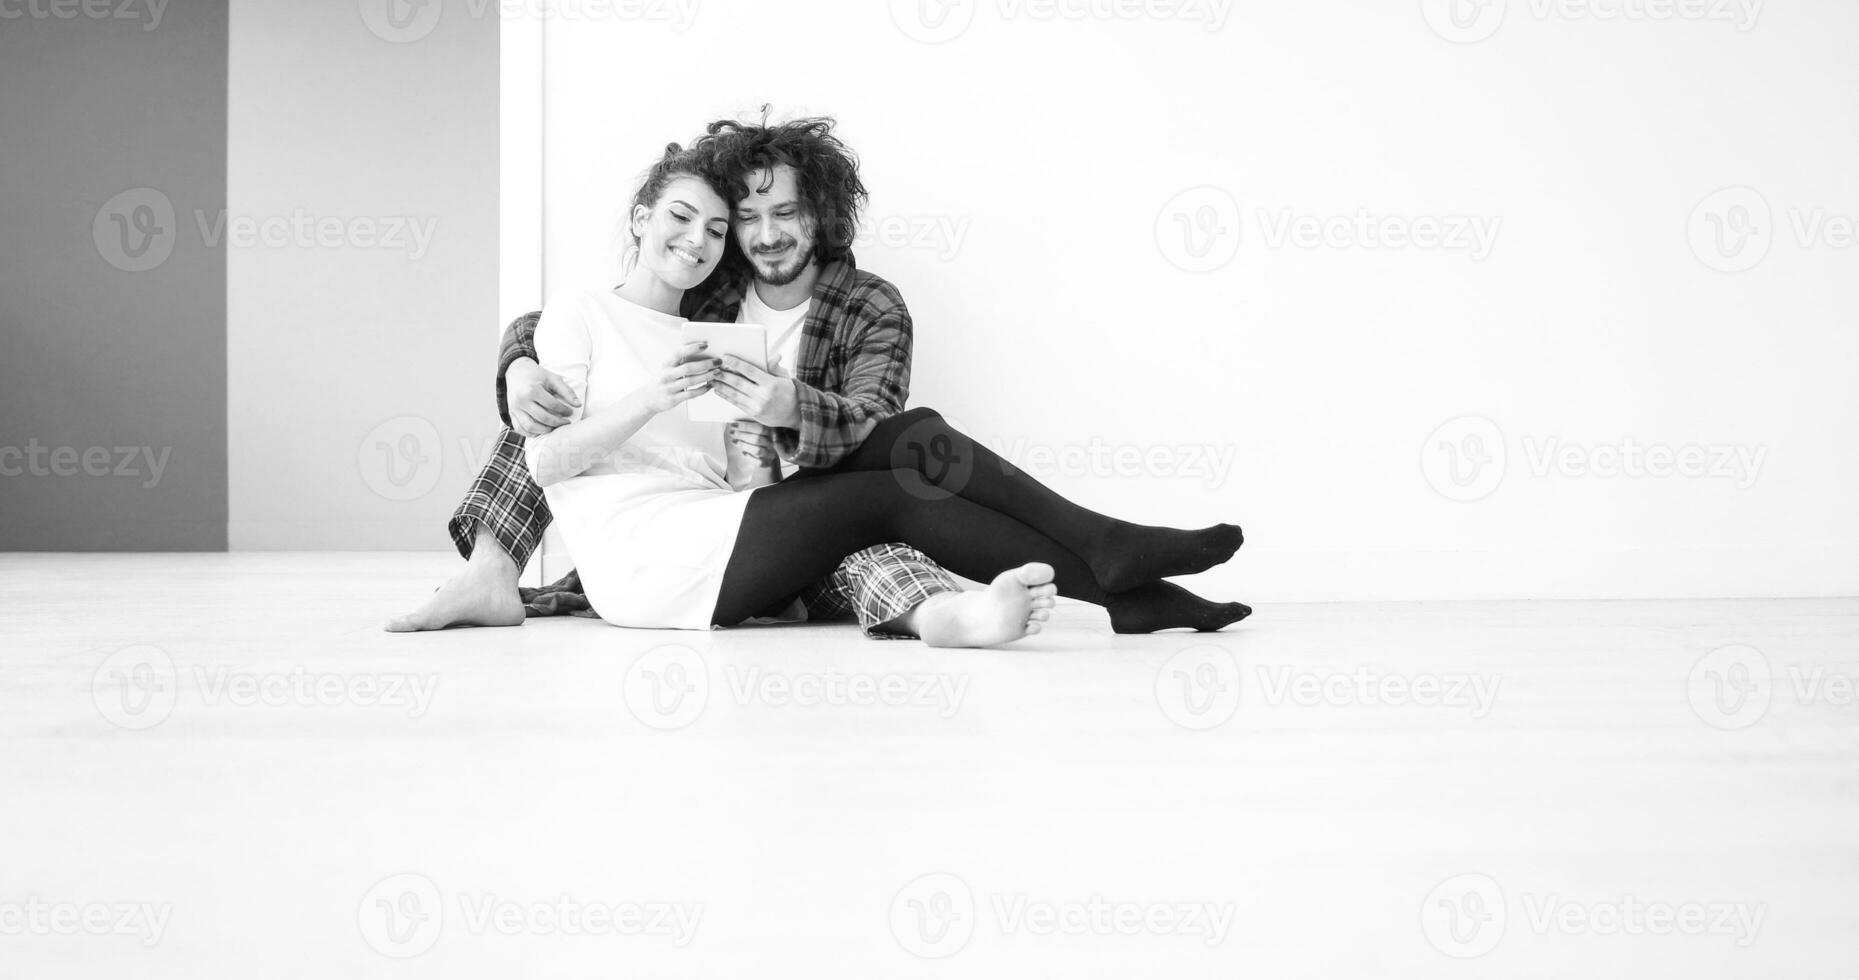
{"x": 1014, "y": 605}
{"x": 484, "y": 594}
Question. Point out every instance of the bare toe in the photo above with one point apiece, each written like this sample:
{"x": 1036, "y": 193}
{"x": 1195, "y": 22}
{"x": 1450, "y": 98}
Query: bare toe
{"x": 1036, "y": 575}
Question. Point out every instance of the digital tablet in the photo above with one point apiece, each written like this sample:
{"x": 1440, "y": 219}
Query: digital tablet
{"x": 744, "y": 340}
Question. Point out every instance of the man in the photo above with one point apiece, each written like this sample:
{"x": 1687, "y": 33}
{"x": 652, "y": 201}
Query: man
{"x": 847, "y": 335}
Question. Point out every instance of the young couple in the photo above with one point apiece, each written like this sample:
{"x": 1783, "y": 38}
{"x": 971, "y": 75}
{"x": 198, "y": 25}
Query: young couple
{"x": 692, "y": 525}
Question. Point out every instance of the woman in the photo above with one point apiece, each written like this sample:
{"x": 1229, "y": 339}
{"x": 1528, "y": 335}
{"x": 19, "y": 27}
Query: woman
{"x": 651, "y": 506}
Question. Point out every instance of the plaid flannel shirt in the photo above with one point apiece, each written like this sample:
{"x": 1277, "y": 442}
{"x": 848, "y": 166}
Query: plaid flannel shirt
{"x": 854, "y": 365}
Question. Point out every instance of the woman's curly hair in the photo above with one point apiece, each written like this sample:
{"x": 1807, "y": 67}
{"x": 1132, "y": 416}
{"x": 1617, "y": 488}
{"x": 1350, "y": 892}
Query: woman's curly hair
{"x": 825, "y": 169}
{"x": 675, "y": 162}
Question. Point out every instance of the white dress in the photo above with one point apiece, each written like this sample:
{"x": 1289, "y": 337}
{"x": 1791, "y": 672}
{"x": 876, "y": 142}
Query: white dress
{"x": 652, "y": 526}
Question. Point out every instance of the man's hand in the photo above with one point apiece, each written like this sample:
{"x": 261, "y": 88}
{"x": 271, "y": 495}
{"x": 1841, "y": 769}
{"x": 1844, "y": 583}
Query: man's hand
{"x": 540, "y": 401}
{"x": 753, "y": 441}
{"x": 767, "y": 398}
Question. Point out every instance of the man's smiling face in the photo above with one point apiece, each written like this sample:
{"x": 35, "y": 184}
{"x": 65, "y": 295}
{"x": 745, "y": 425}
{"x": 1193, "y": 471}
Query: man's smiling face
{"x": 772, "y": 226}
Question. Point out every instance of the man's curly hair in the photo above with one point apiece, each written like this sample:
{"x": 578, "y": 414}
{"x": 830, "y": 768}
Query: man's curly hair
{"x": 825, "y": 169}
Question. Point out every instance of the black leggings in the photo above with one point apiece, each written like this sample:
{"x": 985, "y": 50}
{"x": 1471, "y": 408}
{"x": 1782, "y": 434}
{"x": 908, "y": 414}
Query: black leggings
{"x": 916, "y": 480}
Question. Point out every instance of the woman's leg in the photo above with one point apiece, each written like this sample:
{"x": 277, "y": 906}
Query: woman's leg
{"x": 796, "y": 532}
{"x": 934, "y": 458}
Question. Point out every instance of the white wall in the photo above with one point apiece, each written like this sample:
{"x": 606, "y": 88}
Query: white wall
{"x": 361, "y": 351}
{"x": 1065, "y": 309}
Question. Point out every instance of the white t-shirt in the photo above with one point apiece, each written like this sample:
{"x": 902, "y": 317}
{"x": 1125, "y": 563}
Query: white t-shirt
{"x": 783, "y": 326}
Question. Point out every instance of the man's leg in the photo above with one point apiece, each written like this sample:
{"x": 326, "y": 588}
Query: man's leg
{"x": 896, "y": 592}
{"x": 496, "y": 528}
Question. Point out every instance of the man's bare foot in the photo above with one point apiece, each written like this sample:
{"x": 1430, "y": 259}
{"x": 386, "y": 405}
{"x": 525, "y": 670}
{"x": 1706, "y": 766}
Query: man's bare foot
{"x": 1014, "y": 605}
{"x": 484, "y": 594}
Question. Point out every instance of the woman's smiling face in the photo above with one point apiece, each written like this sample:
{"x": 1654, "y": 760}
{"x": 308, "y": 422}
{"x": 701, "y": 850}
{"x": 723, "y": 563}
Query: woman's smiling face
{"x": 681, "y": 237}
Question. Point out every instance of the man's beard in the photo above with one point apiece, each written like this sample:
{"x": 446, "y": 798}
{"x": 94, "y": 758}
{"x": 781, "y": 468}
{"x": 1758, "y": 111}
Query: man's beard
{"x": 802, "y": 258}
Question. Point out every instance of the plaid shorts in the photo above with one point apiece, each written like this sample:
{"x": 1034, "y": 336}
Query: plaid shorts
{"x": 874, "y": 586}
{"x": 504, "y": 501}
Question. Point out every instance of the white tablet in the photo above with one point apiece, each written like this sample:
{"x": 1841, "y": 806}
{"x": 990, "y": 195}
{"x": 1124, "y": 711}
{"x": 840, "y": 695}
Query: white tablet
{"x": 744, "y": 340}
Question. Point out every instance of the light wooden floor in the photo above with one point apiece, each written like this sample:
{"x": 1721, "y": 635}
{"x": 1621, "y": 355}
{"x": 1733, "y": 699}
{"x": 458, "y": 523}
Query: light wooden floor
{"x": 1081, "y": 804}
